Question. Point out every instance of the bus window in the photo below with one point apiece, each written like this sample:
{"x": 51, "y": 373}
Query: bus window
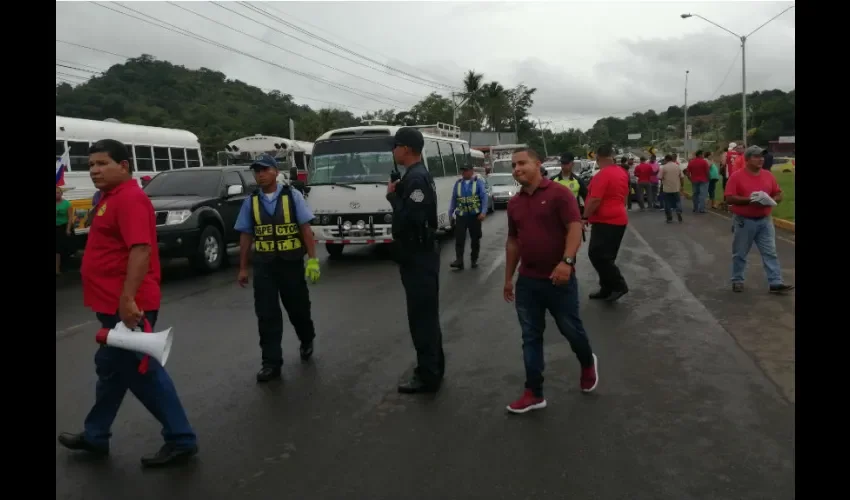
{"x": 144, "y": 159}
{"x": 432, "y": 156}
{"x": 160, "y": 159}
{"x": 79, "y": 152}
{"x": 449, "y": 163}
{"x": 178, "y": 158}
{"x": 193, "y": 159}
{"x": 351, "y": 161}
{"x": 461, "y": 153}
{"x": 60, "y": 149}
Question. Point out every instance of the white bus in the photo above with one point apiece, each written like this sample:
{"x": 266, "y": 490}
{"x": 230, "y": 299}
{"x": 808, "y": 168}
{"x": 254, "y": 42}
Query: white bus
{"x": 500, "y": 158}
{"x": 349, "y": 174}
{"x": 285, "y": 151}
{"x": 478, "y": 161}
{"x": 152, "y": 150}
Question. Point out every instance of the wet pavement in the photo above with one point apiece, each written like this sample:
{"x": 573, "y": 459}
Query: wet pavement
{"x": 695, "y": 398}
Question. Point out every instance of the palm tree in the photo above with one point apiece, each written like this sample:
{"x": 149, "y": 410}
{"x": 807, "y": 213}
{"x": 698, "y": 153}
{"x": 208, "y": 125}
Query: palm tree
{"x": 472, "y": 92}
{"x": 495, "y": 105}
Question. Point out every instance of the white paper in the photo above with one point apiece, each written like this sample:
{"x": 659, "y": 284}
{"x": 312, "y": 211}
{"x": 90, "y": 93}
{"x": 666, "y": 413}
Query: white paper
{"x": 762, "y": 198}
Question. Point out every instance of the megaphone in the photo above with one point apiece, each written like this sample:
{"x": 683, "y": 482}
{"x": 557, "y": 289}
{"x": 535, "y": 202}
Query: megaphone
{"x": 155, "y": 344}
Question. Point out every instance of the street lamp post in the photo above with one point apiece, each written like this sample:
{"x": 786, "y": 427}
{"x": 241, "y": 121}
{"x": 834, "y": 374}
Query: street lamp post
{"x": 743, "y": 39}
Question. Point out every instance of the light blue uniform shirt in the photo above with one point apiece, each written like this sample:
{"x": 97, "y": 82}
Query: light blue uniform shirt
{"x": 482, "y": 194}
{"x": 245, "y": 221}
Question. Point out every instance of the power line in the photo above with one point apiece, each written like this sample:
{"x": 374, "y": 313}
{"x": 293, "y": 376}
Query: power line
{"x": 69, "y": 75}
{"x": 78, "y": 69}
{"x": 187, "y": 33}
{"x": 79, "y": 64}
{"x": 295, "y": 53}
{"x": 95, "y": 50}
{"x": 430, "y": 83}
{"x": 728, "y": 72}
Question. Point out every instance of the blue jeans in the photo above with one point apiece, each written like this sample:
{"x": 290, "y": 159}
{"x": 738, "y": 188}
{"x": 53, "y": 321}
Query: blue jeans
{"x": 699, "y": 194}
{"x": 533, "y": 298}
{"x": 671, "y": 201}
{"x": 118, "y": 370}
{"x": 763, "y": 234}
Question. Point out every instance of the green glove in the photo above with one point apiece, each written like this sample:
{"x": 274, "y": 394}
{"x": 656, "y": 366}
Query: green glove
{"x": 312, "y": 271}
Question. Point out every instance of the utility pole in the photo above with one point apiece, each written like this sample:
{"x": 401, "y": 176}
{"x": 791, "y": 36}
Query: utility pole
{"x": 686, "y": 114}
{"x": 456, "y": 105}
{"x": 543, "y": 136}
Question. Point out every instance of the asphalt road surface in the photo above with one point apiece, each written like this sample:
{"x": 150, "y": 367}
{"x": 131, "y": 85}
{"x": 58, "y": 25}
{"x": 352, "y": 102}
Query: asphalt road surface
{"x": 695, "y": 397}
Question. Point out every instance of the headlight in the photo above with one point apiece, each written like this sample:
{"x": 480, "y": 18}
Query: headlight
{"x": 388, "y": 218}
{"x": 177, "y": 217}
{"x": 326, "y": 219}
{"x": 346, "y": 225}
{"x": 361, "y": 224}
{"x": 510, "y": 193}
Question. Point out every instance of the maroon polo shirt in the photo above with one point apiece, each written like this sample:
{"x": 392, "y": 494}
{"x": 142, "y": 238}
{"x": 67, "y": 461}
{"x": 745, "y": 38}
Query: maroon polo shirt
{"x": 539, "y": 223}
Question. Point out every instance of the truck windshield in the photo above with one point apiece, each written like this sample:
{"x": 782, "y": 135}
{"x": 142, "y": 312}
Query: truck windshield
{"x": 194, "y": 182}
{"x": 502, "y": 167}
{"x": 351, "y": 161}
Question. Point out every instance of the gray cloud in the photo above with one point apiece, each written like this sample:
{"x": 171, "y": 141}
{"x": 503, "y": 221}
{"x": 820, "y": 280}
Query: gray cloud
{"x": 587, "y": 59}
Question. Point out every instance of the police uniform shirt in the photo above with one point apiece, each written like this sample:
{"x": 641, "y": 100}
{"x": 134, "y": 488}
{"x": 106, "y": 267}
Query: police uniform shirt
{"x": 582, "y": 188}
{"x": 414, "y": 203}
{"x": 245, "y": 220}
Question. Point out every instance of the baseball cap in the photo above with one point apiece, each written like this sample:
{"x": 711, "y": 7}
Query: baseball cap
{"x": 466, "y": 166}
{"x": 753, "y": 151}
{"x": 567, "y": 158}
{"x": 410, "y": 137}
{"x": 264, "y": 161}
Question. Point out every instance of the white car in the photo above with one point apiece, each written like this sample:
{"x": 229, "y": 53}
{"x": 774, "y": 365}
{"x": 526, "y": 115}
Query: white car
{"x": 502, "y": 188}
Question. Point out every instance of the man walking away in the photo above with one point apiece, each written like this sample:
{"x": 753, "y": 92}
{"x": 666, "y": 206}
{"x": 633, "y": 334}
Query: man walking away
{"x": 749, "y": 193}
{"x": 643, "y": 172}
{"x": 713, "y": 179}
{"x": 606, "y": 211}
{"x": 468, "y": 206}
{"x": 121, "y": 279}
{"x": 697, "y": 170}
{"x": 544, "y": 235}
{"x": 275, "y": 222}
{"x": 654, "y": 180}
{"x": 671, "y": 186}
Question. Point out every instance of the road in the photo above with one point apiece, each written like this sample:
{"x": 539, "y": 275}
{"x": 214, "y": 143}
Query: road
{"x": 695, "y": 399}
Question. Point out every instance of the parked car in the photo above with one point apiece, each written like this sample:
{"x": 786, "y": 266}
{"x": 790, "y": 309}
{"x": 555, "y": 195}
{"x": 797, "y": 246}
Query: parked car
{"x": 196, "y": 210}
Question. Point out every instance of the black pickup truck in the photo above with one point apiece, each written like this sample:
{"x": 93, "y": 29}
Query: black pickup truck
{"x": 195, "y": 212}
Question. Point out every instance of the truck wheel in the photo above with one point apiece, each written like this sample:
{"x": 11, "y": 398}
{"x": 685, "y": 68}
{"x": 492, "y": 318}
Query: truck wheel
{"x": 334, "y": 249}
{"x": 211, "y": 250}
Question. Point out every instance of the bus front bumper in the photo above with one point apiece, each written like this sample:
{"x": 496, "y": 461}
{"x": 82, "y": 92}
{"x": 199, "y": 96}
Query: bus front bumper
{"x": 336, "y": 235}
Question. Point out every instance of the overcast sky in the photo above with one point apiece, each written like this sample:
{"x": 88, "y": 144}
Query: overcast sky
{"x": 587, "y": 60}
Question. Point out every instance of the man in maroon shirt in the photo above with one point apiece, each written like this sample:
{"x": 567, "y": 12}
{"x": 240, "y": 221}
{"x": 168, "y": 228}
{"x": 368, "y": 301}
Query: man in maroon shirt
{"x": 544, "y": 235}
{"x": 120, "y": 274}
{"x": 697, "y": 172}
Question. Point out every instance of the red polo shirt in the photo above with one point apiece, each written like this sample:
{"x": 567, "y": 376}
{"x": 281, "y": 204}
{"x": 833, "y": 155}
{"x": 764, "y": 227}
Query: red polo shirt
{"x": 744, "y": 183}
{"x": 698, "y": 168}
{"x": 123, "y": 217}
{"x": 539, "y": 223}
{"x": 611, "y": 184}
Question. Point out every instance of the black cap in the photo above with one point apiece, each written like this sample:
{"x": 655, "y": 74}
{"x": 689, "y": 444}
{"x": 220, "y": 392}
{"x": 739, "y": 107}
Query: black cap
{"x": 567, "y": 158}
{"x": 410, "y": 137}
{"x": 466, "y": 166}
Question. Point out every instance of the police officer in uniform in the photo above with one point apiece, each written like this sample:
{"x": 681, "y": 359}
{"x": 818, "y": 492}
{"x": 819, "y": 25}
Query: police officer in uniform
{"x": 569, "y": 180}
{"x": 414, "y": 204}
{"x": 275, "y": 224}
{"x": 469, "y": 208}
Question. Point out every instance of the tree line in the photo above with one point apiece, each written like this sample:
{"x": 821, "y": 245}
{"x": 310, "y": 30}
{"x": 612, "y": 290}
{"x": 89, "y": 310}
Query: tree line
{"x": 146, "y": 91}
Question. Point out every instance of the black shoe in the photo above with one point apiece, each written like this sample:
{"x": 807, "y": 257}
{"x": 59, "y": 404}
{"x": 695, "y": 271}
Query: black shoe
{"x": 474, "y": 264}
{"x": 78, "y": 442}
{"x": 615, "y": 296}
{"x": 600, "y": 295}
{"x": 670, "y": 220}
{"x": 781, "y": 288}
{"x": 737, "y": 287}
{"x": 306, "y": 350}
{"x": 169, "y": 454}
{"x": 458, "y": 264}
{"x": 680, "y": 217}
{"x": 416, "y": 386}
{"x": 268, "y": 373}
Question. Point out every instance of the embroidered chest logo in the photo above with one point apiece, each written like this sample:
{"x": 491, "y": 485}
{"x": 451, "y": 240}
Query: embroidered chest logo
{"x": 101, "y": 210}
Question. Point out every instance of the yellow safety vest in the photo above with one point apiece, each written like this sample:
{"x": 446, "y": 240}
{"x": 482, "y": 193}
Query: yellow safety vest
{"x": 571, "y": 184}
{"x": 468, "y": 204}
{"x": 276, "y": 235}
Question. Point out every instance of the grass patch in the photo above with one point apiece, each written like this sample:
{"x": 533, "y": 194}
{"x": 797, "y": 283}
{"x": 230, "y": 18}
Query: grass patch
{"x": 785, "y": 210}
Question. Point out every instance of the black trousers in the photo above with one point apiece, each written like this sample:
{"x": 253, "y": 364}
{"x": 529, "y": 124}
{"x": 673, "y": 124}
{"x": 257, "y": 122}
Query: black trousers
{"x": 420, "y": 276}
{"x": 471, "y": 224}
{"x": 602, "y": 250}
{"x": 274, "y": 282}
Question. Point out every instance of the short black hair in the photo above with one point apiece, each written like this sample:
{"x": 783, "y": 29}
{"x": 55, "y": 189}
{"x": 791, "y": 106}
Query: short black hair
{"x": 698, "y": 153}
{"x": 642, "y": 159}
{"x": 115, "y": 149}
{"x": 668, "y": 157}
{"x": 531, "y": 153}
{"x": 624, "y": 160}
{"x": 605, "y": 151}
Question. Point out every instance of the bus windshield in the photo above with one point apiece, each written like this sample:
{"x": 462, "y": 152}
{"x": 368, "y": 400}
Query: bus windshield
{"x": 502, "y": 167}
{"x": 351, "y": 161}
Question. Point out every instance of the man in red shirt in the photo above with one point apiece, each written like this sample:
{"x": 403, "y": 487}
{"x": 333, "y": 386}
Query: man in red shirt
{"x": 697, "y": 171}
{"x": 121, "y": 276}
{"x": 606, "y": 211}
{"x": 745, "y": 192}
{"x": 645, "y": 173}
{"x": 544, "y": 235}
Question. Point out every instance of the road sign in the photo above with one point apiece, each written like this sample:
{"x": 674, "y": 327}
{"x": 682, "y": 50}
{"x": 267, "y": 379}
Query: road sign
{"x": 651, "y": 150}
{"x": 634, "y": 137}
{"x": 590, "y": 155}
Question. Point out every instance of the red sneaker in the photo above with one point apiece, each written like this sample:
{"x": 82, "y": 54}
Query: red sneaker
{"x": 590, "y": 376}
{"x": 526, "y": 403}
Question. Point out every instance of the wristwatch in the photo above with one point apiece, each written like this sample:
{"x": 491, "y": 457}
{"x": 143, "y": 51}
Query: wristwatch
{"x": 570, "y": 261}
